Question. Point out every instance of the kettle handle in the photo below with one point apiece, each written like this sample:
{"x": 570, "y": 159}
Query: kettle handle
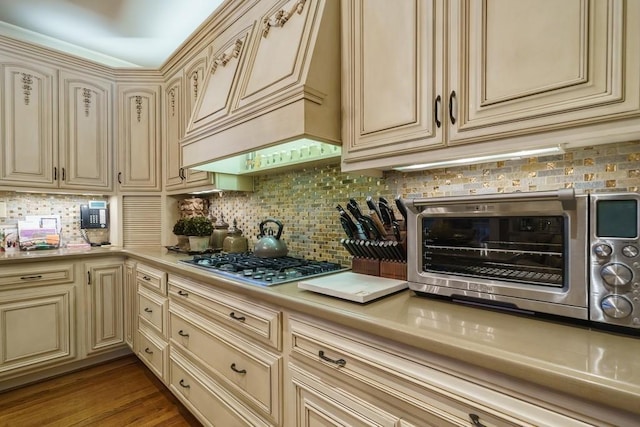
{"x": 275, "y": 221}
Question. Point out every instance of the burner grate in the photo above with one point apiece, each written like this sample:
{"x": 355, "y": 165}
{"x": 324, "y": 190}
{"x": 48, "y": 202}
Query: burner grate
{"x": 249, "y": 268}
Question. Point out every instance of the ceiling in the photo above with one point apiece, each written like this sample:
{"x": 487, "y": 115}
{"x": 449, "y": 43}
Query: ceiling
{"x": 118, "y": 33}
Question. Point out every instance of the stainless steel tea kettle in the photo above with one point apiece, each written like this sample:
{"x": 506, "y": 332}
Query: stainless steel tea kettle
{"x": 268, "y": 245}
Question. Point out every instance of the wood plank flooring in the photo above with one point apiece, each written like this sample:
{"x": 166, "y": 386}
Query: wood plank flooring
{"x": 118, "y": 393}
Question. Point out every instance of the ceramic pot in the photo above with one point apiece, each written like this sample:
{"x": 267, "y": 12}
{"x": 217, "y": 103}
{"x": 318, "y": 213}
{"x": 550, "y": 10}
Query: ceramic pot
{"x": 198, "y": 243}
{"x": 183, "y": 243}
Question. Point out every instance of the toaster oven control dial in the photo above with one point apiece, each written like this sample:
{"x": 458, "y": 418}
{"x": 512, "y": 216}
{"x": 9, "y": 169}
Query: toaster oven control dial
{"x": 616, "y": 306}
{"x": 602, "y": 250}
{"x": 616, "y": 274}
{"x": 630, "y": 251}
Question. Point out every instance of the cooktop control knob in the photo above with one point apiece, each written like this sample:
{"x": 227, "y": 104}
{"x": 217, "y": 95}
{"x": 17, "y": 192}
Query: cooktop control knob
{"x": 630, "y": 251}
{"x": 602, "y": 250}
{"x": 616, "y": 306}
{"x": 616, "y": 274}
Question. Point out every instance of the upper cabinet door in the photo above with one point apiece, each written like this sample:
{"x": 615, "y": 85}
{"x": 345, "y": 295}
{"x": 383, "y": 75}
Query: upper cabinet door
{"x": 28, "y": 129}
{"x": 392, "y": 77}
{"x": 194, "y": 74}
{"x": 173, "y": 131}
{"x": 221, "y": 79}
{"x": 280, "y": 50}
{"x": 522, "y": 66}
{"x": 85, "y": 147}
{"x": 139, "y": 138}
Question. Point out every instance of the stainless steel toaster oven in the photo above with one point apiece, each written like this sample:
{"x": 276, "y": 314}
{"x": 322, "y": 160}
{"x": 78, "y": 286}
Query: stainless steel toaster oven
{"x": 555, "y": 252}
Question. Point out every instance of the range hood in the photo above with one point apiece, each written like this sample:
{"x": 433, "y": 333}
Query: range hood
{"x": 271, "y": 97}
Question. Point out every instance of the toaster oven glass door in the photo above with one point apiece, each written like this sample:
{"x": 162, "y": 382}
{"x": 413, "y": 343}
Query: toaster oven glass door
{"x": 522, "y": 249}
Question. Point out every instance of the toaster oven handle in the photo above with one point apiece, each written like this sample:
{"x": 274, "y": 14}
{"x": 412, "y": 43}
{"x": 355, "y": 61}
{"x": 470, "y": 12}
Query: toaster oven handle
{"x": 564, "y": 196}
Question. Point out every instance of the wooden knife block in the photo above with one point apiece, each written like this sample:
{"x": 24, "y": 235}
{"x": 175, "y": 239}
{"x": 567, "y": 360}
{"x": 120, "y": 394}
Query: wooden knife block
{"x": 374, "y": 267}
{"x": 368, "y": 266}
{"x": 393, "y": 269}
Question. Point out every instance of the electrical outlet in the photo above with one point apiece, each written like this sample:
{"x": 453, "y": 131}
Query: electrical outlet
{"x": 3, "y": 209}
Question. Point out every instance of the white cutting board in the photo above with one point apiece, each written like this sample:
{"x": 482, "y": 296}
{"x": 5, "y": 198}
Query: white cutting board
{"x": 353, "y": 286}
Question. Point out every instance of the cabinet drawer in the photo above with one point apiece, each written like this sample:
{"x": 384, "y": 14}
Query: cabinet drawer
{"x": 257, "y": 321}
{"x": 206, "y": 399}
{"x": 36, "y": 273}
{"x": 152, "y": 278}
{"x": 352, "y": 359}
{"x": 152, "y": 311}
{"x": 153, "y": 352}
{"x": 247, "y": 369}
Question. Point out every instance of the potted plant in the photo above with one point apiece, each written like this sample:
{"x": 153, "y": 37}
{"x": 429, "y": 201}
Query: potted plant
{"x": 179, "y": 231}
{"x": 199, "y": 230}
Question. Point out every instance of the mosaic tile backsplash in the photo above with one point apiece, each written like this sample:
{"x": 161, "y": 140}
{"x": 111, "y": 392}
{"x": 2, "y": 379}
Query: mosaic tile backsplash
{"x": 20, "y": 205}
{"x": 305, "y": 199}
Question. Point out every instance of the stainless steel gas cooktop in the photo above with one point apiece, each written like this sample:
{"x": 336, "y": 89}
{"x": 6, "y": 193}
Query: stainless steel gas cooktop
{"x": 248, "y": 268}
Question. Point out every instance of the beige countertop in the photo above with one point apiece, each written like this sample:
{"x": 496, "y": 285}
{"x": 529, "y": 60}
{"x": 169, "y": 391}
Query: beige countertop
{"x": 573, "y": 359}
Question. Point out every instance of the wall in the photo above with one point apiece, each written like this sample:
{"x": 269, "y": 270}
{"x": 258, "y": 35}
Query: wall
{"x": 305, "y": 200}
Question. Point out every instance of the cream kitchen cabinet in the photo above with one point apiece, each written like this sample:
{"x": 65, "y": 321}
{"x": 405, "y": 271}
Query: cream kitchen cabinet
{"x": 152, "y": 319}
{"x": 139, "y": 120}
{"x": 29, "y": 126}
{"x": 247, "y": 370}
{"x": 422, "y": 79}
{"x": 85, "y": 157}
{"x": 57, "y": 128}
{"x": 342, "y": 377}
{"x": 181, "y": 93}
{"x": 104, "y": 305}
{"x": 37, "y": 317}
{"x": 130, "y": 320}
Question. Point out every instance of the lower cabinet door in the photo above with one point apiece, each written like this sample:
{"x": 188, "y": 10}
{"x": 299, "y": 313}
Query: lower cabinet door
{"x": 205, "y": 398}
{"x": 318, "y": 404}
{"x": 36, "y": 327}
{"x": 105, "y": 306}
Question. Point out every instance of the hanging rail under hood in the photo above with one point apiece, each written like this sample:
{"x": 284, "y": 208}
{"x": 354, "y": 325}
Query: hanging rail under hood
{"x": 273, "y": 77}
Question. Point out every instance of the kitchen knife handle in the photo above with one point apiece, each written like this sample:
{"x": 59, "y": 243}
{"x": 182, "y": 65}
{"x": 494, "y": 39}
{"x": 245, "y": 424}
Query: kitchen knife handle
{"x": 346, "y": 227}
{"x": 401, "y": 207}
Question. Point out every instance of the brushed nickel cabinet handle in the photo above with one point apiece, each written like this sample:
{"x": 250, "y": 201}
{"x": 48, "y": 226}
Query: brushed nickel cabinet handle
{"x": 339, "y": 362}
